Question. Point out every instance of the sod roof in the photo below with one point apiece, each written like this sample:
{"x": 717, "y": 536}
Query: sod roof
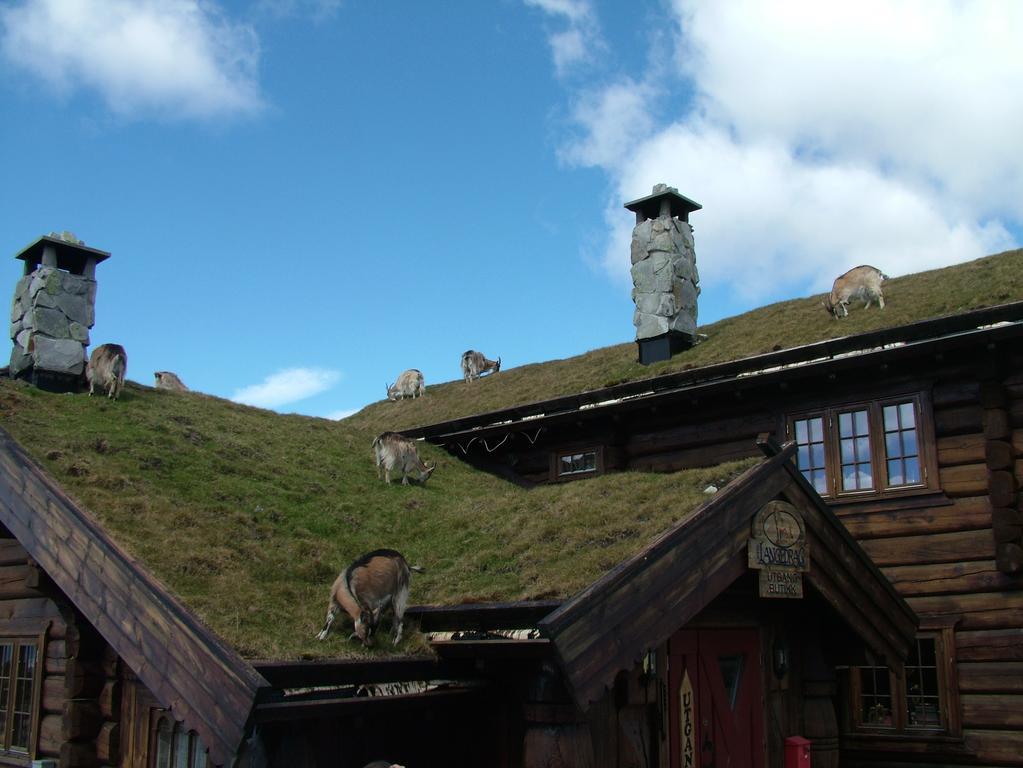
{"x": 985, "y": 282}
{"x": 247, "y": 515}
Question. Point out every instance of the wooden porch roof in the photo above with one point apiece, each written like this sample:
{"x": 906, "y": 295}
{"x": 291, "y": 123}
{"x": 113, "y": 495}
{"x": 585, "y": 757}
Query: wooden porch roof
{"x": 607, "y": 627}
{"x": 206, "y": 684}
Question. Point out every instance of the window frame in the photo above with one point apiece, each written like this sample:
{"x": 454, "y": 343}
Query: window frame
{"x": 157, "y": 716}
{"x": 926, "y": 453}
{"x": 900, "y": 729}
{"x": 563, "y": 477}
{"x": 17, "y": 640}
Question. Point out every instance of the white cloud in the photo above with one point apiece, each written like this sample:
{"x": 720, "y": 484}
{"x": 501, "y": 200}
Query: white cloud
{"x": 287, "y": 386}
{"x": 344, "y": 413}
{"x": 575, "y": 43}
{"x": 173, "y": 58}
{"x": 821, "y": 137}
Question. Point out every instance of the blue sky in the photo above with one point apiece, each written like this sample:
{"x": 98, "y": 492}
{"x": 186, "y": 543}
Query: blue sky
{"x": 305, "y": 197}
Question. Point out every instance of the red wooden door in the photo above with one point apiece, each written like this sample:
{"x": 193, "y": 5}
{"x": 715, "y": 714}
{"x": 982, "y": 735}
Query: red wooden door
{"x": 715, "y": 702}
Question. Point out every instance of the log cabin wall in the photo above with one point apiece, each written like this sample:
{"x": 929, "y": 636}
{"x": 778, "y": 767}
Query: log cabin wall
{"x": 955, "y": 552}
{"x": 76, "y": 697}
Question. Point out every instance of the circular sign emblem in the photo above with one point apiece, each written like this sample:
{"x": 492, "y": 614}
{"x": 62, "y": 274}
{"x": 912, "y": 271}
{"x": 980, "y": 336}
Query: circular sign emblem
{"x": 781, "y": 527}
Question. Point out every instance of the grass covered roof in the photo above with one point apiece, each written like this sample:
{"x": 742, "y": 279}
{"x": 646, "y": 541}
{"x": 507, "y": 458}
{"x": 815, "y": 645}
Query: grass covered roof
{"x": 248, "y": 515}
{"x": 976, "y": 284}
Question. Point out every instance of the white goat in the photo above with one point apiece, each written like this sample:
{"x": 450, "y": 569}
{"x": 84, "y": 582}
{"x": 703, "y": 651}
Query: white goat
{"x": 396, "y": 452}
{"x": 409, "y": 384}
{"x": 475, "y": 364}
{"x": 863, "y": 282}
{"x": 170, "y": 381}
{"x": 376, "y": 581}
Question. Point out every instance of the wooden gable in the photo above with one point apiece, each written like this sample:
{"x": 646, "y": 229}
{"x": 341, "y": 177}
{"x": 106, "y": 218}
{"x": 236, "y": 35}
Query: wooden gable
{"x": 609, "y": 625}
{"x": 205, "y": 683}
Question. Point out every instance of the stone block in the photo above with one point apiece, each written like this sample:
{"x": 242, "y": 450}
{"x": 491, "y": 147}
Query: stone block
{"x": 78, "y": 332}
{"x": 16, "y": 310}
{"x": 683, "y": 269}
{"x": 53, "y": 282}
{"x": 685, "y": 294}
{"x": 50, "y": 322}
{"x": 15, "y": 329}
{"x": 20, "y": 361}
{"x": 76, "y": 308}
{"x": 684, "y": 323}
{"x": 59, "y": 355}
{"x": 75, "y": 284}
{"x": 649, "y": 325}
{"x": 44, "y": 299}
{"x": 24, "y": 340}
{"x": 662, "y": 304}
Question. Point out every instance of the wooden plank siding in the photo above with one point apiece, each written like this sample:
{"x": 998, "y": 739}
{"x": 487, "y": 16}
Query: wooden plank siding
{"x": 206, "y": 684}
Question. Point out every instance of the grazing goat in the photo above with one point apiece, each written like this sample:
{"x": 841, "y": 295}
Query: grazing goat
{"x": 863, "y": 282}
{"x": 107, "y": 366}
{"x": 475, "y": 364}
{"x": 396, "y": 452}
{"x": 409, "y": 384}
{"x": 382, "y": 764}
{"x": 376, "y": 581}
{"x": 169, "y": 381}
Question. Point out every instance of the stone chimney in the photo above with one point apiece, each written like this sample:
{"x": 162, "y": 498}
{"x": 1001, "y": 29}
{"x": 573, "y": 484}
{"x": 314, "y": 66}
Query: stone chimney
{"x": 664, "y": 277}
{"x": 53, "y": 310}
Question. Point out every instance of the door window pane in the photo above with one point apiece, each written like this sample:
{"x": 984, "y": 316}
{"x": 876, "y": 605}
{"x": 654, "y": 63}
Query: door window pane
{"x": 923, "y": 696}
{"x": 875, "y": 696}
{"x": 731, "y": 676}
{"x": 21, "y": 725}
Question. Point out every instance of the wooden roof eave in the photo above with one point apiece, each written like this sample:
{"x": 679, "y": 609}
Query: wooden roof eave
{"x": 922, "y": 337}
{"x": 845, "y": 576}
{"x": 205, "y": 684}
{"x": 607, "y": 627}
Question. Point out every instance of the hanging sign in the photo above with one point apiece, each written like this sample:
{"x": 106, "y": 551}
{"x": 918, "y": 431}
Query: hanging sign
{"x": 687, "y": 729}
{"x": 778, "y": 549}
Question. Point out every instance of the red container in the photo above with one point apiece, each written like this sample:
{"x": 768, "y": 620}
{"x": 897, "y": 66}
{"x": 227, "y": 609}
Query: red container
{"x": 797, "y": 752}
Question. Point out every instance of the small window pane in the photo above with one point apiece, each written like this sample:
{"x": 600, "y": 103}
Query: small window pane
{"x": 163, "y": 744}
{"x": 818, "y": 455}
{"x": 907, "y": 415}
{"x": 848, "y": 451}
{"x": 891, "y": 418}
{"x": 861, "y": 422}
{"x": 862, "y": 448}
{"x": 6, "y": 657}
{"x": 875, "y": 696}
{"x": 180, "y": 748}
{"x": 817, "y": 430}
{"x": 895, "y": 476}
{"x": 803, "y": 457}
{"x": 909, "y": 443}
{"x": 21, "y": 725}
{"x": 801, "y": 432}
{"x": 199, "y": 758}
{"x": 912, "y": 467}
{"x": 893, "y": 445}
{"x": 820, "y": 482}
{"x": 845, "y": 424}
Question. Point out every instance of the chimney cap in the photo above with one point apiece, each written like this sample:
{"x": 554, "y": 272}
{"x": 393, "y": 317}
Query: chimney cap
{"x": 650, "y": 206}
{"x": 70, "y": 256}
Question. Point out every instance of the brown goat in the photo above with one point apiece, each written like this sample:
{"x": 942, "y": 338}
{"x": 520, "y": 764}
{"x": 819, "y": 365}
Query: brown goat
{"x": 107, "y": 366}
{"x": 863, "y": 282}
{"x": 376, "y": 581}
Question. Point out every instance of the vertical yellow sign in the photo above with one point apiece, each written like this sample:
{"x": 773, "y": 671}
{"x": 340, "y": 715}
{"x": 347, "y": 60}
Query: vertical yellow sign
{"x": 687, "y": 727}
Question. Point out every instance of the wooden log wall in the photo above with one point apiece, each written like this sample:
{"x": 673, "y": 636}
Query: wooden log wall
{"x": 960, "y": 562}
{"x": 78, "y": 712}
